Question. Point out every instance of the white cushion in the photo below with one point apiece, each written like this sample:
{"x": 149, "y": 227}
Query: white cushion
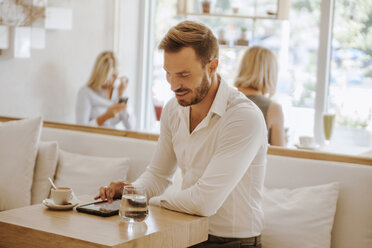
{"x": 45, "y": 166}
{"x": 301, "y": 217}
{"x": 352, "y": 226}
{"x": 18, "y": 147}
{"x": 85, "y": 174}
{"x": 102, "y": 145}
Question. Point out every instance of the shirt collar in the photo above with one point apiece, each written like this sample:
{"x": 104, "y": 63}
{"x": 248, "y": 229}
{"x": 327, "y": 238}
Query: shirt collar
{"x": 218, "y": 107}
{"x": 219, "y": 104}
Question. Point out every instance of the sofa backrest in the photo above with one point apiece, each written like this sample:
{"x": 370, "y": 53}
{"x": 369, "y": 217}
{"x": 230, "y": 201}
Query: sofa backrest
{"x": 353, "y": 221}
{"x": 352, "y": 225}
{"x": 140, "y": 151}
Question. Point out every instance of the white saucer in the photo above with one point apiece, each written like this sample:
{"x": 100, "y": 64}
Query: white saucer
{"x": 50, "y": 204}
{"x": 313, "y": 147}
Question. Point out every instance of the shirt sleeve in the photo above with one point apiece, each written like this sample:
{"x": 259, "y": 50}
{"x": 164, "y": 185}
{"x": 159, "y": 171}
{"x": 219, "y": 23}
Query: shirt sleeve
{"x": 83, "y": 109}
{"x": 238, "y": 143}
{"x": 158, "y": 175}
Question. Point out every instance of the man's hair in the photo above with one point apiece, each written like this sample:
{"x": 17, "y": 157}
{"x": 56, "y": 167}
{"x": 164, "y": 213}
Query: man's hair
{"x": 258, "y": 70}
{"x": 194, "y": 35}
{"x": 105, "y": 63}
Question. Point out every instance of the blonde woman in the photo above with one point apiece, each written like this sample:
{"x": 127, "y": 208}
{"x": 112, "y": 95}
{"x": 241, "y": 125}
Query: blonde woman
{"x": 257, "y": 80}
{"x": 98, "y": 101}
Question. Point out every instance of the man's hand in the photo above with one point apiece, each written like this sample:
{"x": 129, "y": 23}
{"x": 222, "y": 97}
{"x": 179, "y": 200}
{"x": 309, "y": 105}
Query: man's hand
{"x": 115, "y": 190}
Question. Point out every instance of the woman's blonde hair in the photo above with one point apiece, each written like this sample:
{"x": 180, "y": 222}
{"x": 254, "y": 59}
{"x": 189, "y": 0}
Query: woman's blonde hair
{"x": 258, "y": 70}
{"x": 105, "y": 63}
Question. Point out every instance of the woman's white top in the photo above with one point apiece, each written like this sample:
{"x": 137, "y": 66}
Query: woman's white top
{"x": 91, "y": 104}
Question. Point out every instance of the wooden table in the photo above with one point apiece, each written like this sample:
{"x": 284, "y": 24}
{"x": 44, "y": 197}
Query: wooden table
{"x": 37, "y": 226}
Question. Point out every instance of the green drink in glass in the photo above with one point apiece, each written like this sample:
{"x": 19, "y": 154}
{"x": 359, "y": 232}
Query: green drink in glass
{"x": 328, "y": 124}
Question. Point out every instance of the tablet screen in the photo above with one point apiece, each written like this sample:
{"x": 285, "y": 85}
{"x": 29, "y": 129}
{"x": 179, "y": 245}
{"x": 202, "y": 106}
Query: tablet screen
{"x": 101, "y": 208}
{"x": 105, "y": 206}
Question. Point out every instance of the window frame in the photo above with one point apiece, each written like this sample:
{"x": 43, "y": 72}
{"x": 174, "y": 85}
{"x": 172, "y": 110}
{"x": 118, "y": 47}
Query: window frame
{"x": 323, "y": 66}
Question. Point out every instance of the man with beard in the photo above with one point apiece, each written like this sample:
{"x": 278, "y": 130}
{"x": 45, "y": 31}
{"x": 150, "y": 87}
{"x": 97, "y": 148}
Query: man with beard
{"x": 215, "y": 135}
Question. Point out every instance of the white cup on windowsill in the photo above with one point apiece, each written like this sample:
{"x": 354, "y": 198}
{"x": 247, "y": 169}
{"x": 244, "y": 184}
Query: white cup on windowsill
{"x": 307, "y": 141}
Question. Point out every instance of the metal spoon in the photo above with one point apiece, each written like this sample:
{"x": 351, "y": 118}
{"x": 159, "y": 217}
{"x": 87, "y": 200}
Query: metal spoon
{"x": 51, "y": 182}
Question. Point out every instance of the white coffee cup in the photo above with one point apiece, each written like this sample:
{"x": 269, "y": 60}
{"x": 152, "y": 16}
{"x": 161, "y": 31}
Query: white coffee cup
{"x": 307, "y": 141}
{"x": 61, "y": 195}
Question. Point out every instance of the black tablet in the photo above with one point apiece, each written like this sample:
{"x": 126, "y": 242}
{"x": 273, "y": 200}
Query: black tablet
{"x": 102, "y": 208}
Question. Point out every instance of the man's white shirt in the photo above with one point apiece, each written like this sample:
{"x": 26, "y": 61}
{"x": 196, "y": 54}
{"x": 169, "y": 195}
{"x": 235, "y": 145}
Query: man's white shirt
{"x": 222, "y": 161}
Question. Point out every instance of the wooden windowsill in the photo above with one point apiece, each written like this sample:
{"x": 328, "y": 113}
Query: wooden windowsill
{"x": 272, "y": 150}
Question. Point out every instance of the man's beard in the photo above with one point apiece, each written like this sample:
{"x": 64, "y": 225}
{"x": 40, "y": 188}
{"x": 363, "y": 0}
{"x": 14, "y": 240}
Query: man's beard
{"x": 200, "y": 93}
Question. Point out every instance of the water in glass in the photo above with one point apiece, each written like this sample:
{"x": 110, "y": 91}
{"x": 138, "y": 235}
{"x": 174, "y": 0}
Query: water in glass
{"x": 133, "y": 207}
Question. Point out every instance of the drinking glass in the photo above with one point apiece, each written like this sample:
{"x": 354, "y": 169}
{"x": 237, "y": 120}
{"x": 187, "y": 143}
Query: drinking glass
{"x": 133, "y": 206}
{"x": 328, "y": 124}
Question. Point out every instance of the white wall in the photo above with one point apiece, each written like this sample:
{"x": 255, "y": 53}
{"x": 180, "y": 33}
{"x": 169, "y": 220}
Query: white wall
{"x": 47, "y": 83}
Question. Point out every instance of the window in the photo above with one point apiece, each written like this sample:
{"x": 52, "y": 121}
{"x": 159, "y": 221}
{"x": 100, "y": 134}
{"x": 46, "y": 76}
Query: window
{"x": 350, "y": 86}
{"x": 295, "y": 42}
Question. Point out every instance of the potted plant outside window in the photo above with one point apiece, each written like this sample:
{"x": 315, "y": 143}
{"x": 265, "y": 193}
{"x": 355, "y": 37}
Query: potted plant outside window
{"x": 221, "y": 37}
{"x": 206, "y": 6}
{"x": 242, "y": 41}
